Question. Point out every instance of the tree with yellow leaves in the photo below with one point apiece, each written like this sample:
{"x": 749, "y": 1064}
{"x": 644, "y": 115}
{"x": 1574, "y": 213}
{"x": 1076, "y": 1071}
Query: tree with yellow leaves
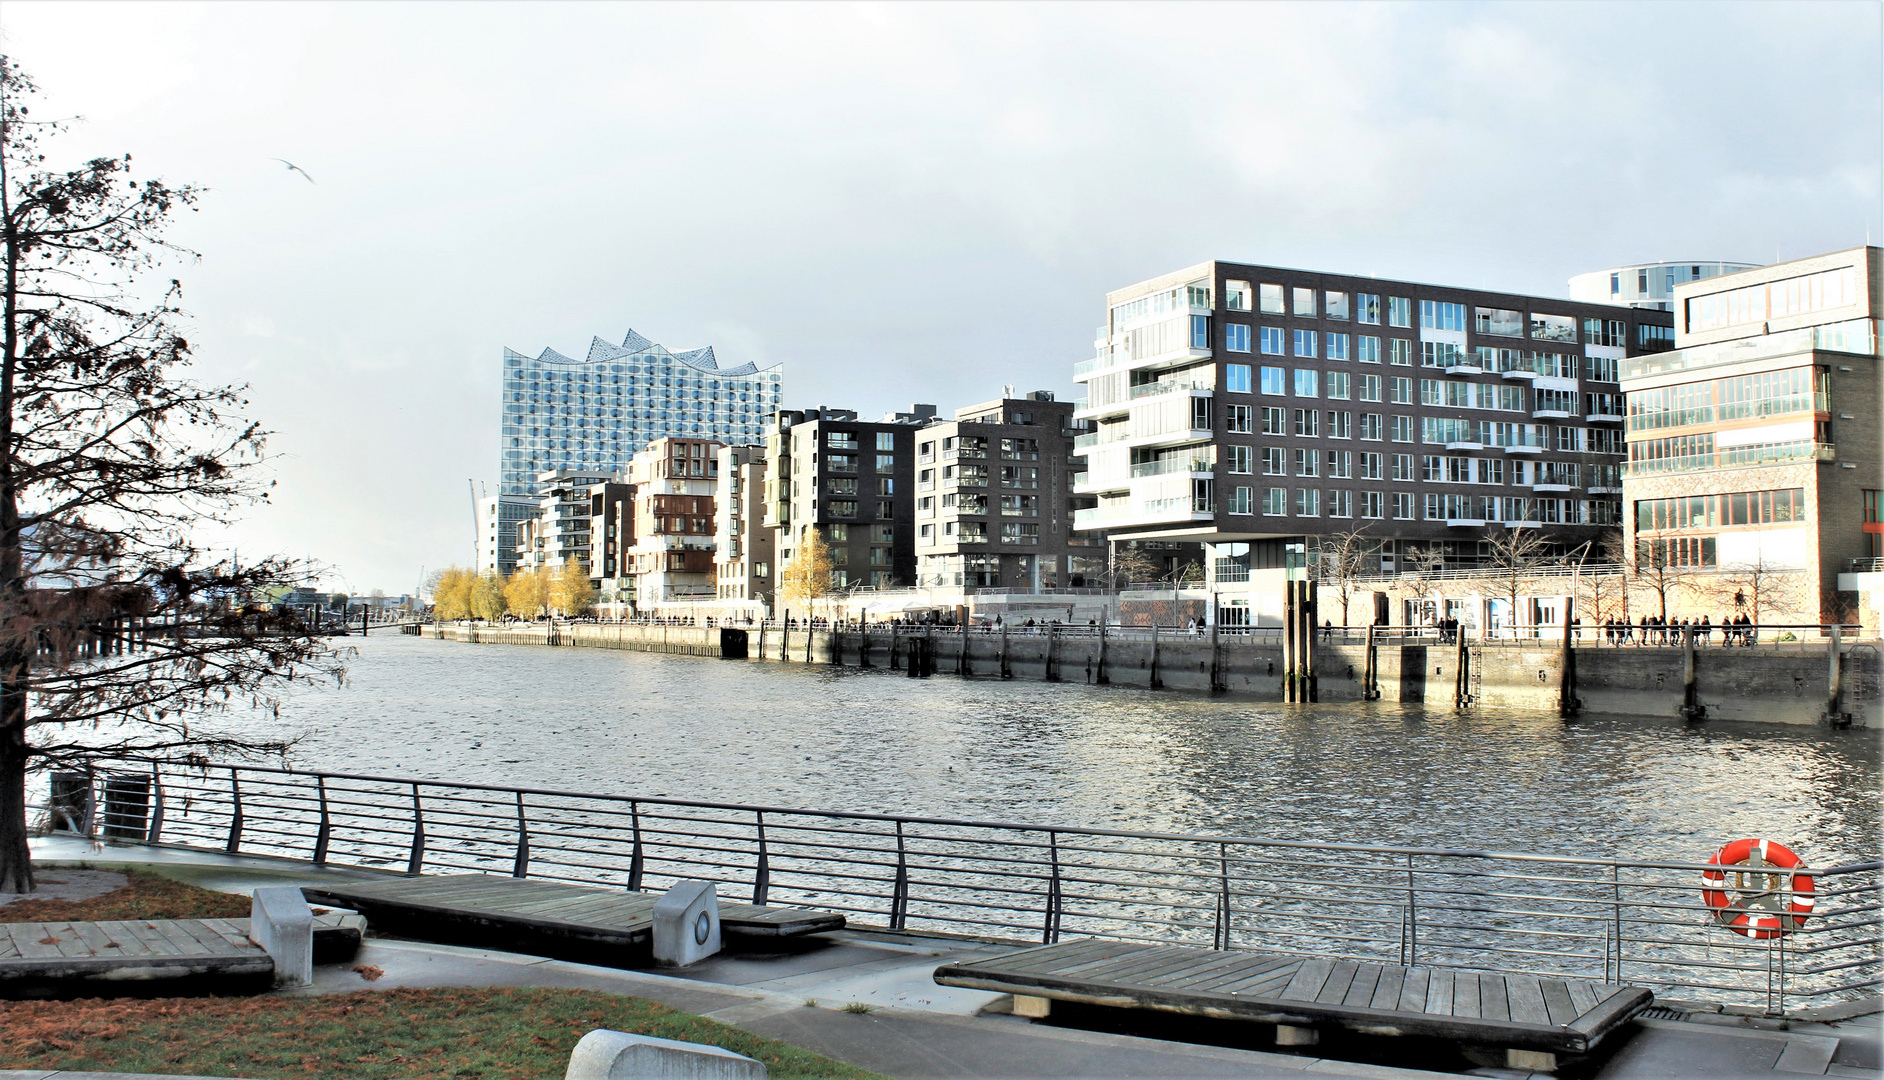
{"x": 451, "y": 595}
{"x": 487, "y": 597}
{"x": 807, "y": 578}
{"x": 571, "y": 591}
{"x": 527, "y": 591}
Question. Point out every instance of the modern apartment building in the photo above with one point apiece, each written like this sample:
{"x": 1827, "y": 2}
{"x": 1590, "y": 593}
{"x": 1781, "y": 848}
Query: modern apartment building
{"x": 1646, "y": 285}
{"x": 1254, "y": 407}
{"x": 671, "y": 559}
{"x": 851, "y": 479}
{"x": 995, "y": 499}
{"x": 611, "y": 535}
{"x": 560, "y": 530}
{"x": 743, "y": 544}
{"x": 1754, "y": 447}
{"x": 498, "y": 517}
{"x": 595, "y": 413}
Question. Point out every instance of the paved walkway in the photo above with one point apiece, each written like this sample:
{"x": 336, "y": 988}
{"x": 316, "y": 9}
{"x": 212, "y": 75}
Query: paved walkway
{"x": 917, "y": 1029}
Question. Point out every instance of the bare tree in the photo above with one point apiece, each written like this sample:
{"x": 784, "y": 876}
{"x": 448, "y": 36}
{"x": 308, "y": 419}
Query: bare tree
{"x": 1425, "y": 560}
{"x": 1608, "y": 592}
{"x": 1516, "y": 555}
{"x": 118, "y": 635}
{"x": 1652, "y": 566}
{"x": 1344, "y": 557}
{"x": 1758, "y": 588}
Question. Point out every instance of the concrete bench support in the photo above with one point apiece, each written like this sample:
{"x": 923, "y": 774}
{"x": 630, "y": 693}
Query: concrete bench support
{"x": 1028, "y": 1005}
{"x": 1290, "y": 1035}
{"x": 613, "y": 1055}
{"x": 1539, "y": 1060}
{"x": 283, "y": 925}
{"x": 686, "y": 924}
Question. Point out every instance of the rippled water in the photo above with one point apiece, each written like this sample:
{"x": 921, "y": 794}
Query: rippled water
{"x": 841, "y": 738}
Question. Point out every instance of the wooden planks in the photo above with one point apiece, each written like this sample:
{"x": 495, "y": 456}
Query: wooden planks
{"x": 1513, "y": 1011}
{"x": 127, "y": 952}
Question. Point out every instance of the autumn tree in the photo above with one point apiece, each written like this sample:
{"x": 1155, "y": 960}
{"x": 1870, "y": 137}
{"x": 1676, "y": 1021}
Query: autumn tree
{"x": 111, "y": 460}
{"x": 570, "y": 591}
{"x": 487, "y": 597}
{"x": 807, "y": 578}
{"x": 451, "y": 594}
{"x": 1130, "y": 564}
{"x": 527, "y": 592}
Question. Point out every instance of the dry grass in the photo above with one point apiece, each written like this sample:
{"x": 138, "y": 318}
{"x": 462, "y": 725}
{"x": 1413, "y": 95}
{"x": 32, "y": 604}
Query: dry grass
{"x": 144, "y": 896}
{"x": 498, "y": 1033}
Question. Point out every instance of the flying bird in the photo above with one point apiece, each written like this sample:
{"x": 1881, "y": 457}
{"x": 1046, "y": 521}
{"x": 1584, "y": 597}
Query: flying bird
{"x": 292, "y": 167}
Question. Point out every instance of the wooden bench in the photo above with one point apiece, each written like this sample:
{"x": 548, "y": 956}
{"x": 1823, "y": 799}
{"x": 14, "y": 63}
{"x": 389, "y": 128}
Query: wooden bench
{"x": 52, "y": 958}
{"x": 1532, "y": 1018}
{"x": 547, "y": 918}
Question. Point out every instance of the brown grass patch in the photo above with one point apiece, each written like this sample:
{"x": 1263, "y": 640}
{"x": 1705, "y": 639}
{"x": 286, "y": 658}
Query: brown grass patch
{"x": 144, "y": 896}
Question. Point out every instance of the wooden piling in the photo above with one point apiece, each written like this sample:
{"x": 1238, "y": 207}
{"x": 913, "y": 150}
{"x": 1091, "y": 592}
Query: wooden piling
{"x": 1567, "y": 703}
{"x": 1155, "y": 681}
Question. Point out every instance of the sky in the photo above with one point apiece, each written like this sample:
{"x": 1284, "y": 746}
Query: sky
{"x": 899, "y": 202}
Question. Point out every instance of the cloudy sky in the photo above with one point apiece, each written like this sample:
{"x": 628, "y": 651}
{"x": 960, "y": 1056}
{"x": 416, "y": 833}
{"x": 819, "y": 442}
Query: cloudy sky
{"x": 898, "y": 201}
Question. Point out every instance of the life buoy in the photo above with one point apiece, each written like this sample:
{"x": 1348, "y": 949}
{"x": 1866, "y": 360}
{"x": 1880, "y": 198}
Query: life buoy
{"x": 1752, "y": 894}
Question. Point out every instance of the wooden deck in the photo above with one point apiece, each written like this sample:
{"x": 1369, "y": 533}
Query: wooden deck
{"x": 46, "y": 955}
{"x": 1513, "y": 1011}
{"x": 544, "y": 917}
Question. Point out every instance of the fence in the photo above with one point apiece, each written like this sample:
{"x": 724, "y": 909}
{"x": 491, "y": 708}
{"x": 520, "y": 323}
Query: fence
{"x": 1617, "y": 920}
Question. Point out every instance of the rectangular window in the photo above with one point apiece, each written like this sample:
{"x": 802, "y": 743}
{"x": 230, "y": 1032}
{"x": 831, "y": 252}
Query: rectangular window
{"x": 1371, "y": 427}
{"x": 1236, "y": 296}
{"x": 1308, "y": 423}
{"x": 886, "y": 440}
{"x": 1402, "y": 429}
{"x": 1275, "y": 502}
{"x": 1275, "y": 380}
{"x": 1304, "y": 302}
{"x": 1367, "y": 308}
{"x": 1335, "y": 346}
{"x": 1200, "y": 331}
{"x": 1553, "y": 327}
{"x": 1370, "y": 388}
{"x": 840, "y": 486}
{"x": 1340, "y": 424}
{"x": 1238, "y": 419}
{"x": 1399, "y": 352}
{"x": 1307, "y": 462}
{"x": 1239, "y": 459}
{"x": 1272, "y": 461}
{"x": 1400, "y": 391}
{"x": 1373, "y": 466}
{"x": 1305, "y": 343}
{"x": 1307, "y": 502}
{"x": 1236, "y": 337}
{"x": 1014, "y": 532}
{"x": 886, "y": 462}
{"x": 1371, "y": 504}
{"x": 1399, "y": 311}
{"x": 1239, "y": 500}
{"x": 1338, "y": 385}
{"x": 843, "y": 507}
{"x": 1020, "y": 505}
{"x": 1600, "y": 368}
{"x": 841, "y": 462}
{"x": 1275, "y": 421}
{"x": 1440, "y": 315}
{"x": 1236, "y": 378}
{"x": 1272, "y": 340}
{"x": 1498, "y": 321}
{"x": 1335, "y": 305}
{"x": 886, "y": 485}
{"x": 925, "y": 533}
{"x": 1271, "y": 298}
{"x": 1367, "y": 349}
{"x": 1307, "y": 383}
{"x": 1340, "y": 502}
{"x": 1340, "y": 464}
{"x": 1403, "y": 506}
{"x": 841, "y": 440}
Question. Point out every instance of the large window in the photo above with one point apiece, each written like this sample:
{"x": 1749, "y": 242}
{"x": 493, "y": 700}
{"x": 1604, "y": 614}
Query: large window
{"x": 1714, "y": 511}
{"x": 1370, "y": 388}
{"x": 1271, "y": 299}
{"x": 1236, "y": 337}
{"x": 1272, "y": 340}
{"x": 1338, "y": 385}
{"x": 1238, "y": 419}
{"x": 1367, "y": 308}
{"x": 1399, "y": 352}
{"x": 1275, "y": 502}
{"x": 1239, "y": 501}
{"x": 1340, "y": 503}
{"x": 1304, "y": 302}
{"x": 1400, "y": 391}
{"x": 1802, "y": 295}
{"x": 1236, "y": 296}
{"x": 1305, "y": 343}
{"x": 1340, "y": 424}
{"x": 1308, "y": 423}
{"x": 1742, "y": 397}
{"x": 1499, "y": 321}
{"x": 1275, "y": 421}
{"x": 1696, "y": 551}
{"x": 1440, "y": 315}
{"x": 1367, "y": 349}
{"x": 1236, "y": 378}
{"x": 1307, "y": 382}
{"x": 1336, "y": 346}
{"x": 1371, "y": 427}
{"x": 1239, "y": 459}
{"x": 1553, "y": 327}
{"x": 1200, "y": 331}
{"x": 1273, "y": 464}
{"x": 1307, "y": 502}
{"x": 1403, "y": 506}
{"x": 1275, "y": 380}
{"x": 1307, "y": 462}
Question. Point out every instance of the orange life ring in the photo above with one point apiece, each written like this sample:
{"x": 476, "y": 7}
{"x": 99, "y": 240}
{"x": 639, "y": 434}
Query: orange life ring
{"x": 1751, "y": 894}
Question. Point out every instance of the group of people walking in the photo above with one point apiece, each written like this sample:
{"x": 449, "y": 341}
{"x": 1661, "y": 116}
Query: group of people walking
{"x": 1653, "y": 630}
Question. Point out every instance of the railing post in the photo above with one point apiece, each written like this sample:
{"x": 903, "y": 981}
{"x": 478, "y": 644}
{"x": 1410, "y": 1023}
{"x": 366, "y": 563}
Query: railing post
{"x": 899, "y": 896}
{"x": 156, "y": 831}
{"x": 762, "y": 875}
{"x": 1050, "y": 931}
{"x": 321, "y": 836}
{"x": 520, "y": 867}
{"x": 235, "y": 815}
{"x": 1412, "y": 949}
{"x": 636, "y": 864}
{"x": 1221, "y": 939}
{"x": 415, "y": 858}
{"x": 1615, "y": 903}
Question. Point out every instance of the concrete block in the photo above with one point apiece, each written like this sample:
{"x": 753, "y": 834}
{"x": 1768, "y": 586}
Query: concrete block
{"x": 686, "y": 924}
{"x": 283, "y": 925}
{"x": 614, "y": 1055}
{"x": 1028, "y": 1005}
{"x": 1539, "y": 1060}
{"x": 1290, "y": 1035}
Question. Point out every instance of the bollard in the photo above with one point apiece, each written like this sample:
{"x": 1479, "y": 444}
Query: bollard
{"x": 616, "y": 1055}
{"x": 283, "y": 925}
{"x": 686, "y": 924}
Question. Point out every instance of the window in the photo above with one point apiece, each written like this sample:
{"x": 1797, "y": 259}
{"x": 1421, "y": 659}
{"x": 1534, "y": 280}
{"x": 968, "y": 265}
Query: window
{"x": 925, "y": 506}
{"x": 883, "y": 534}
{"x": 1340, "y": 424}
{"x": 1340, "y": 502}
{"x": 925, "y": 479}
{"x": 1271, "y": 298}
{"x": 1335, "y": 305}
{"x": 1308, "y": 423}
{"x": 1272, "y": 461}
{"x": 1014, "y": 532}
{"x": 1401, "y": 391}
{"x": 1238, "y": 419}
{"x": 1236, "y": 296}
{"x": 1403, "y": 505}
{"x": 1367, "y": 308}
{"x": 1239, "y": 500}
{"x": 1236, "y": 337}
{"x": 1399, "y": 352}
{"x": 1340, "y": 464}
{"x": 838, "y": 533}
{"x": 886, "y": 485}
{"x": 1307, "y": 462}
{"x": 1367, "y": 349}
{"x": 1553, "y": 327}
{"x": 1239, "y": 459}
{"x": 1236, "y": 378}
{"x": 1307, "y": 502}
{"x": 1305, "y": 343}
{"x": 879, "y": 556}
{"x": 1020, "y": 476}
{"x": 1599, "y": 368}
{"x": 1655, "y": 338}
{"x": 1275, "y": 421}
{"x": 1370, "y": 388}
{"x": 1439, "y": 315}
{"x": 1307, "y": 383}
{"x": 1371, "y": 426}
{"x": 843, "y": 507}
{"x": 886, "y": 440}
{"x": 1200, "y": 331}
{"x": 841, "y": 462}
{"x": 1372, "y": 466}
{"x": 1399, "y": 311}
{"x": 926, "y": 452}
{"x": 1498, "y": 321}
{"x": 1336, "y": 346}
{"x": 1370, "y": 504}
{"x": 1402, "y": 429}
{"x": 1338, "y": 385}
{"x": 1024, "y": 449}
{"x": 1272, "y": 340}
{"x": 886, "y": 462}
{"x": 925, "y": 534}
{"x": 841, "y": 440}
{"x": 1020, "y": 505}
{"x": 840, "y": 486}
{"x": 1275, "y": 502}
{"x": 1274, "y": 380}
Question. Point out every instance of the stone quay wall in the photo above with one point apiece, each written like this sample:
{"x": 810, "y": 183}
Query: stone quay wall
{"x": 1779, "y": 684}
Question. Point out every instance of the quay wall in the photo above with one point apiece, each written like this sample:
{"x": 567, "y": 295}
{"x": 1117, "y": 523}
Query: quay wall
{"x": 1785, "y": 684}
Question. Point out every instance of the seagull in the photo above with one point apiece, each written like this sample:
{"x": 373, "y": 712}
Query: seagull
{"x": 292, "y": 167}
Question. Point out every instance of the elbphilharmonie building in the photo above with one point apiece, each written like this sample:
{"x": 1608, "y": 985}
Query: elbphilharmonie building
{"x": 593, "y": 414}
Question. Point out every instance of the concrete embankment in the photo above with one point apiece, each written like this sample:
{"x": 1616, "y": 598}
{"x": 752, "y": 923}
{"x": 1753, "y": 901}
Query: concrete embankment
{"x": 1783, "y": 684}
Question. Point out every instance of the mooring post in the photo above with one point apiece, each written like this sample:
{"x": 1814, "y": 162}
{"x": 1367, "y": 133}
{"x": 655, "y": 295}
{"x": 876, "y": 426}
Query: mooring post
{"x": 1308, "y": 643}
{"x": 1006, "y": 671}
{"x": 1288, "y": 641}
{"x": 1834, "y": 664}
{"x": 761, "y": 639}
{"x": 1053, "y": 653}
{"x": 1567, "y": 703}
{"x": 1369, "y": 675}
{"x": 1216, "y": 657}
{"x": 1461, "y": 680}
{"x": 1100, "y": 676}
{"x": 1155, "y": 681}
{"x": 1691, "y": 707}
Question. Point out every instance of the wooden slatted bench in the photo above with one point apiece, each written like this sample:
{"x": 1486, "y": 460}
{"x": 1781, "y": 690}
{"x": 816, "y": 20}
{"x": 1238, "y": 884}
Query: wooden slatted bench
{"x": 40, "y": 958}
{"x": 542, "y": 917}
{"x": 1532, "y": 1018}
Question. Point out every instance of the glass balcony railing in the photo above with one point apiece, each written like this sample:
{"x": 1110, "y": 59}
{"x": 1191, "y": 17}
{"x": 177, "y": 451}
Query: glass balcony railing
{"x": 1182, "y": 463}
{"x": 1172, "y": 386}
{"x": 1734, "y": 457}
{"x": 1855, "y": 337}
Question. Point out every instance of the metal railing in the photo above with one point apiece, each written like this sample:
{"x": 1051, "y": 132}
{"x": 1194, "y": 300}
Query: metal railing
{"x": 1637, "y": 921}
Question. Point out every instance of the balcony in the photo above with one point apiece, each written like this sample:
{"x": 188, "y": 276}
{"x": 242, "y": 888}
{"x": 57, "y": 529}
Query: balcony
{"x": 1603, "y": 418}
{"x": 1553, "y": 414}
{"x": 1172, "y": 386}
{"x": 1199, "y": 464}
{"x": 1734, "y": 457}
{"x": 1466, "y": 523}
{"x": 1552, "y": 487}
{"x": 1150, "y": 512}
{"x": 1523, "y": 448}
{"x": 1465, "y": 444}
{"x": 1524, "y": 373}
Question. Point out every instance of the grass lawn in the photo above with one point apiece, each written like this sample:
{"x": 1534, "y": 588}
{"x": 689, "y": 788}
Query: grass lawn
{"x": 144, "y": 896}
{"x": 503, "y": 1033}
